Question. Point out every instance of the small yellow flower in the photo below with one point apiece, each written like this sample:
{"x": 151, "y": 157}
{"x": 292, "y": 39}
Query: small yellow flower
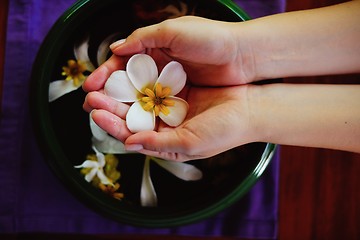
{"x": 74, "y": 71}
{"x": 158, "y": 100}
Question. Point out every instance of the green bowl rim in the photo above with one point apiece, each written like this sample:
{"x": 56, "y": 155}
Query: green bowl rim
{"x": 52, "y": 150}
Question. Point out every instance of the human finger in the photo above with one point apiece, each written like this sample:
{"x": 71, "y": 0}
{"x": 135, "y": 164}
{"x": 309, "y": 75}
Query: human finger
{"x": 98, "y": 100}
{"x": 97, "y": 79}
{"x": 111, "y": 123}
{"x": 175, "y": 144}
{"x": 153, "y": 36}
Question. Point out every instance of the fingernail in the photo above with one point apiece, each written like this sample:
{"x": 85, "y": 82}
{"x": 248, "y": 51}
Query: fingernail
{"x": 117, "y": 43}
{"x": 133, "y": 147}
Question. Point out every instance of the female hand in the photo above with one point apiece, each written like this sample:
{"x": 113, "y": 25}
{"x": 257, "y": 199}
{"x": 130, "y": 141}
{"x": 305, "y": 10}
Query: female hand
{"x": 209, "y": 51}
{"x": 216, "y": 53}
{"x": 223, "y": 54}
{"x": 218, "y": 120}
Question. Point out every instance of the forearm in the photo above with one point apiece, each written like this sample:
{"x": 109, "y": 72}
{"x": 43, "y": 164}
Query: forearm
{"x": 312, "y": 42}
{"x": 326, "y": 116}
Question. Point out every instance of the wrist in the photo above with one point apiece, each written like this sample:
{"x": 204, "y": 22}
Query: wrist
{"x": 256, "y": 105}
{"x": 248, "y": 126}
{"x": 258, "y": 51}
{"x": 308, "y": 115}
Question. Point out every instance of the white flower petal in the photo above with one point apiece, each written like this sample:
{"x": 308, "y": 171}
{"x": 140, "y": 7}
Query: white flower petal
{"x": 173, "y": 76}
{"x": 148, "y": 196}
{"x": 100, "y": 157}
{"x": 181, "y": 170}
{"x": 91, "y": 174}
{"x": 97, "y": 132}
{"x": 119, "y": 87}
{"x": 137, "y": 119}
{"x": 109, "y": 145}
{"x": 88, "y": 164}
{"x": 103, "y": 178}
{"x": 104, "y": 49}
{"x": 177, "y": 113}
{"x": 59, "y": 88}
{"x": 142, "y": 71}
{"x": 81, "y": 54}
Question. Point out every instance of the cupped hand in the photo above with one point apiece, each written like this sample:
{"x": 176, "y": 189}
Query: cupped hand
{"x": 210, "y": 52}
{"x": 218, "y": 119}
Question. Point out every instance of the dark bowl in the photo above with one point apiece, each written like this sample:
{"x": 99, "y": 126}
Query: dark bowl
{"x": 64, "y": 133}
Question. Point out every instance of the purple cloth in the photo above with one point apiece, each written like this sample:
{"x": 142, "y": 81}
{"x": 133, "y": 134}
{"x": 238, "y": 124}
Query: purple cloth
{"x": 33, "y": 200}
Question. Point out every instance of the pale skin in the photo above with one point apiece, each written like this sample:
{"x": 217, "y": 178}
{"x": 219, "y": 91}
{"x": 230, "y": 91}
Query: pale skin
{"x": 222, "y": 60}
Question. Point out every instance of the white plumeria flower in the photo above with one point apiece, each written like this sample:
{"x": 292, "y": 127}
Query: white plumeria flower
{"x": 96, "y": 168}
{"x": 75, "y": 69}
{"x": 152, "y": 95}
{"x": 184, "y": 171}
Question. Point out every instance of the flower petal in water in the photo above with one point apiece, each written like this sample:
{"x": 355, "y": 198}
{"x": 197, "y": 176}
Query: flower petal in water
{"x": 184, "y": 171}
{"x": 96, "y": 168}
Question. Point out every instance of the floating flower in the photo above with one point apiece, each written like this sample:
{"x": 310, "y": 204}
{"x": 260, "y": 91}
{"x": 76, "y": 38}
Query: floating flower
{"x": 111, "y": 190}
{"x": 101, "y": 171}
{"x": 75, "y": 71}
{"x": 107, "y": 144}
{"x": 184, "y": 171}
{"x": 152, "y": 95}
{"x": 95, "y": 168}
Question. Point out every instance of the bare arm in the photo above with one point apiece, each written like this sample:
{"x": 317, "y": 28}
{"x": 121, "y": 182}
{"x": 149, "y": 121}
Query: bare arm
{"x": 312, "y": 42}
{"x": 303, "y": 43}
{"x": 326, "y": 116}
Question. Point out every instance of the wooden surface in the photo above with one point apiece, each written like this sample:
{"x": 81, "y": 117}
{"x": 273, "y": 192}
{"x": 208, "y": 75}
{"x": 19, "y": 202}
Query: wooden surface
{"x": 319, "y": 189}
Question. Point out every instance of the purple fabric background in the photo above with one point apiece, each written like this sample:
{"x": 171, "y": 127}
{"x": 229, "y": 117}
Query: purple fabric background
{"x": 33, "y": 200}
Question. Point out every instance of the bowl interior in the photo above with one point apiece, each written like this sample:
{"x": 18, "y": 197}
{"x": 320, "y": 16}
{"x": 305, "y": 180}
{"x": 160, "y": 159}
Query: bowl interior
{"x": 64, "y": 130}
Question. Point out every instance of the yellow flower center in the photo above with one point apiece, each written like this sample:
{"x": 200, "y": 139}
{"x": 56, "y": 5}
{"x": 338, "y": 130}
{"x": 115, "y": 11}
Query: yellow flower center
{"x": 157, "y": 100}
{"x": 74, "y": 71}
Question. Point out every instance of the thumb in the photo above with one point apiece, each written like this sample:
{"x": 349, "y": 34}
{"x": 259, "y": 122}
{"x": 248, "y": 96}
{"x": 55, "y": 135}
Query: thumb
{"x": 153, "y": 36}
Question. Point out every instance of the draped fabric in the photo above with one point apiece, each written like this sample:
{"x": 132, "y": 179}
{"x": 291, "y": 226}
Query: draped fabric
{"x": 32, "y": 199}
